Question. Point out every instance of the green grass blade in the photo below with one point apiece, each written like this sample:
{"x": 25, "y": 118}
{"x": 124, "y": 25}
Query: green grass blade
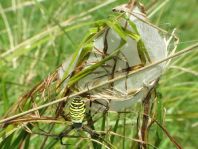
{"x": 118, "y": 29}
{"x": 51, "y": 144}
{"x": 159, "y": 132}
{"x": 115, "y": 128}
{"x": 7, "y": 142}
{"x": 19, "y": 139}
{"x": 4, "y": 95}
{"x": 27, "y": 142}
{"x": 90, "y": 69}
{"x": 7, "y": 131}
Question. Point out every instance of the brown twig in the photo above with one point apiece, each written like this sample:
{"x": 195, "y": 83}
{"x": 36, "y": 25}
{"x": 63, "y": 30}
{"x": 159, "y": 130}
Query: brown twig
{"x": 145, "y": 122}
{"x": 169, "y": 136}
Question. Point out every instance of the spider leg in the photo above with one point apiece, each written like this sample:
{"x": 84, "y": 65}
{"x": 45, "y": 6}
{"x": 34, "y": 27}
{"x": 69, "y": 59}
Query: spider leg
{"x": 93, "y": 133}
{"x": 104, "y": 104}
{"x": 63, "y": 134}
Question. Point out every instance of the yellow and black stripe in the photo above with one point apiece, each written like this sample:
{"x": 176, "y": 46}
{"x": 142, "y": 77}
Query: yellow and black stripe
{"x": 77, "y": 111}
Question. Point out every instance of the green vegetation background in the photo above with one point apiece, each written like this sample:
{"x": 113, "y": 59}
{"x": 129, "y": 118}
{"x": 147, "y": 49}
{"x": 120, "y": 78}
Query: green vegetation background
{"x": 21, "y": 20}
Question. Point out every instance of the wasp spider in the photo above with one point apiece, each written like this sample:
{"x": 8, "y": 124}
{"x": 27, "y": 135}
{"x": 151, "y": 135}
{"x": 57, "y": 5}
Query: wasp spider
{"x": 77, "y": 113}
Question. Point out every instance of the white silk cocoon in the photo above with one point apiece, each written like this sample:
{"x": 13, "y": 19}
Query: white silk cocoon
{"x": 122, "y": 93}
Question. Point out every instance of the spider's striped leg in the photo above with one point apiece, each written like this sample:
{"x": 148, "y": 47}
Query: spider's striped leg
{"x": 103, "y": 106}
{"x": 94, "y": 135}
{"x": 63, "y": 134}
{"x": 92, "y": 132}
{"x": 103, "y": 103}
{"x": 90, "y": 113}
